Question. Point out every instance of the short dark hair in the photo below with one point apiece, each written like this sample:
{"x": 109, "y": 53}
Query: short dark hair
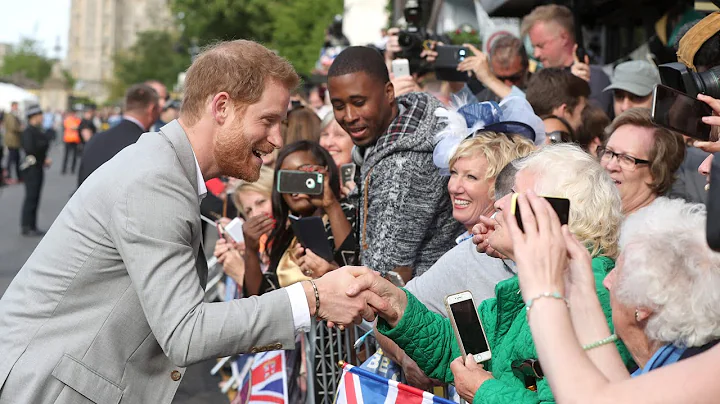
{"x": 140, "y": 96}
{"x": 360, "y": 59}
{"x": 506, "y": 47}
{"x": 505, "y": 180}
{"x": 594, "y": 123}
{"x": 551, "y": 87}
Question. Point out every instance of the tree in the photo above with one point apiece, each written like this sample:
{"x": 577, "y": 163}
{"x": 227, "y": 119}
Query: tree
{"x": 28, "y": 59}
{"x": 153, "y": 56}
{"x": 294, "y": 28}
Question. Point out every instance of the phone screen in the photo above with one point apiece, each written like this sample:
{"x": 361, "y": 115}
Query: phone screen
{"x": 680, "y": 112}
{"x": 469, "y": 328}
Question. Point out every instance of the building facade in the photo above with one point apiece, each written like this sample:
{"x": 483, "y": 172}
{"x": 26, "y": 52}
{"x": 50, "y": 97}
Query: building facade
{"x": 99, "y": 29}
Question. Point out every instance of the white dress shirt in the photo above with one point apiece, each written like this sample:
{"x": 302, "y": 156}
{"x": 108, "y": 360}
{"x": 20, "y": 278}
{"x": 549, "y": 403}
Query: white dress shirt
{"x": 296, "y": 293}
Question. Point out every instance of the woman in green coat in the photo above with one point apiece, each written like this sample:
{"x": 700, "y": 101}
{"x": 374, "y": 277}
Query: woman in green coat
{"x": 513, "y": 374}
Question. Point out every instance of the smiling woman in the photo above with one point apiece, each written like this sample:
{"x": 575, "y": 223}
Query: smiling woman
{"x": 473, "y": 169}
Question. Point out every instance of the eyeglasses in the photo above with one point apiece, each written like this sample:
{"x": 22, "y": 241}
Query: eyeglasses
{"x": 528, "y": 371}
{"x": 626, "y": 162}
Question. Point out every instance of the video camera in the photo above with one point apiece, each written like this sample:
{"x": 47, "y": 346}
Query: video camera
{"x": 413, "y": 37}
{"x": 679, "y": 77}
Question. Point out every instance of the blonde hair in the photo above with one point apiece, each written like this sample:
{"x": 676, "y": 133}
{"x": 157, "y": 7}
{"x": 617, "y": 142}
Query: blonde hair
{"x": 565, "y": 170}
{"x": 560, "y": 15}
{"x": 262, "y": 186}
{"x": 498, "y": 150}
{"x": 241, "y": 68}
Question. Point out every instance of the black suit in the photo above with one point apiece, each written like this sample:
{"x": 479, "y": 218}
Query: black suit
{"x": 105, "y": 145}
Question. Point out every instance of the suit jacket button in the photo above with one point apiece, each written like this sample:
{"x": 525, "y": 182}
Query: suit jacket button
{"x": 277, "y": 346}
{"x": 175, "y": 375}
{"x": 254, "y": 350}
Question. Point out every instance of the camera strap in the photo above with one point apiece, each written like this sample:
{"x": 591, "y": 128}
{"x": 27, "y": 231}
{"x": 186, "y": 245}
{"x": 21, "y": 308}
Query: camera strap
{"x": 696, "y": 37}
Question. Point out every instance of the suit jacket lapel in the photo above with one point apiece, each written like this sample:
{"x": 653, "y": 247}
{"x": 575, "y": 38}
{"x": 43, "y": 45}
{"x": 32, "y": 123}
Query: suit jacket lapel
{"x": 180, "y": 142}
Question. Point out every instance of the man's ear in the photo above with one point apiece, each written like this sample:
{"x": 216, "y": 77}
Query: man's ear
{"x": 390, "y": 92}
{"x": 561, "y": 111}
{"x": 220, "y": 107}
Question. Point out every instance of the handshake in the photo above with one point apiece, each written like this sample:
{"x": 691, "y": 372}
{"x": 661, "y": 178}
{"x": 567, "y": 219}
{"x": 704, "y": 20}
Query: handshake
{"x": 349, "y": 294}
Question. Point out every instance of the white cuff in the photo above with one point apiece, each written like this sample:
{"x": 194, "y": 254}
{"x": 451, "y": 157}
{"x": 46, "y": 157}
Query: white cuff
{"x": 299, "y": 305}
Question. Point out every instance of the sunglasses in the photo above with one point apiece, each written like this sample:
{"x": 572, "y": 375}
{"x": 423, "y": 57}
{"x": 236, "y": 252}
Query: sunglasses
{"x": 514, "y": 78}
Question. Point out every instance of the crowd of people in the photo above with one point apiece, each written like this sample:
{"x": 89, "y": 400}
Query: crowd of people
{"x": 417, "y": 204}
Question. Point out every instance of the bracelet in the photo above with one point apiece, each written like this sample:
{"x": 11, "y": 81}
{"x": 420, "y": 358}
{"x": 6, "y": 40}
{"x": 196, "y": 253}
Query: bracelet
{"x": 317, "y": 298}
{"x": 554, "y": 295}
{"x": 604, "y": 341}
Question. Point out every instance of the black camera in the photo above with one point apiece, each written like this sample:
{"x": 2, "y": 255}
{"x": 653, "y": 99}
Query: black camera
{"x": 413, "y": 38}
{"x": 679, "y": 77}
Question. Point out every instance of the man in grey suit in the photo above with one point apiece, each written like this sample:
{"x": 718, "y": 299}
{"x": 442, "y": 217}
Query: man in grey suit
{"x": 109, "y": 308}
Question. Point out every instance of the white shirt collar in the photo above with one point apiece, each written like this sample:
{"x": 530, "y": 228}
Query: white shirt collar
{"x": 135, "y": 121}
{"x": 202, "y": 189}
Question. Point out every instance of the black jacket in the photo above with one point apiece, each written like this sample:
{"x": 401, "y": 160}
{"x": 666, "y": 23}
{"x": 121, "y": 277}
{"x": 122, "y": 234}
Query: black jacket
{"x": 105, "y": 145}
{"x": 35, "y": 142}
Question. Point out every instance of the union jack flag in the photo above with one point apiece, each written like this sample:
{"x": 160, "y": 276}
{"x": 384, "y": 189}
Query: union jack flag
{"x": 358, "y": 386}
{"x": 266, "y": 380}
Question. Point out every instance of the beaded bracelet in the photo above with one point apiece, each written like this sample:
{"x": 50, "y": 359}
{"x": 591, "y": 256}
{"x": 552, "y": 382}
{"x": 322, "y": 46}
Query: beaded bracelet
{"x": 554, "y": 295}
{"x": 604, "y": 341}
{"x": 317, "y": 298}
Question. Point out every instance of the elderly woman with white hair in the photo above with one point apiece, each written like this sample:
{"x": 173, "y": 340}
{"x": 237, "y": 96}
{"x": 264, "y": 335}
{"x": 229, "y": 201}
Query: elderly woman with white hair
{"x": 561, "y": 170}
{"x": 664, "y": 295}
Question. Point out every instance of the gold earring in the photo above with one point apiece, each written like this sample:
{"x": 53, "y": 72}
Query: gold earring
{"x": 637, "y": 316}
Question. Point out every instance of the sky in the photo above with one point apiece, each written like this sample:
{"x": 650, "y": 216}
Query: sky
{"x": 44, "y": 20}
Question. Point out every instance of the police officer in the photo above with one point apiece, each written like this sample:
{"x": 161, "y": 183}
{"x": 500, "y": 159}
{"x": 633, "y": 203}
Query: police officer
{"x": 35, "y": 142}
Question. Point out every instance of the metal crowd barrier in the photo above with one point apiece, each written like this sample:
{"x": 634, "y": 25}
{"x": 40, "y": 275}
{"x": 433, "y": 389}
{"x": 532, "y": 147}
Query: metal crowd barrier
{"x": 324, "y": 347}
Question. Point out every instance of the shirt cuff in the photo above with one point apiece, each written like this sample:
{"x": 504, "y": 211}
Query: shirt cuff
{"x": 300, "y": 309}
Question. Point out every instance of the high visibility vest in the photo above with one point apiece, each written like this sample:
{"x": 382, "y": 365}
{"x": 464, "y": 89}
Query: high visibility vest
{"x": 72, "y": 135}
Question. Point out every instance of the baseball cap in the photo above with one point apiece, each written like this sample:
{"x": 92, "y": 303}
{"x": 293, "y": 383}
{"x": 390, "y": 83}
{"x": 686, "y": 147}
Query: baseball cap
{"x": 637, "y": 77}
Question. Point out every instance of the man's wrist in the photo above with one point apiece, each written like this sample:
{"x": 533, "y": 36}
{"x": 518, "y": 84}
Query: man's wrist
{"x": 309, "y": 288}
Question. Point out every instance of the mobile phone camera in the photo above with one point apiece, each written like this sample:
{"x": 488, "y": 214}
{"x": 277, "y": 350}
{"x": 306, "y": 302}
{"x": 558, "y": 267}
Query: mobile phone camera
{"x": 462, "y": 54}
{"x": 310, "y": 183}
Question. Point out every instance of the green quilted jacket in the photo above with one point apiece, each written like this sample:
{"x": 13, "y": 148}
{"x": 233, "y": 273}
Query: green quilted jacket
{"x": 428, "y": 339}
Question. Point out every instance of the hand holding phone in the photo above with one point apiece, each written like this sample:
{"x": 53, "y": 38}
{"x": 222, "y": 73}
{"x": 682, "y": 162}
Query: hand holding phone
{"x": 468, "y": 328}
{"x": 400, "y": 68}
{"x": 347, "y": 173}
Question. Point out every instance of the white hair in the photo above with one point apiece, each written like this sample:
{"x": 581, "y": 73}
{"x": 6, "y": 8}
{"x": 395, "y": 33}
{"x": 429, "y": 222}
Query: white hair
{"x": 565, "y": 170}
{"x": 669, "y": 268}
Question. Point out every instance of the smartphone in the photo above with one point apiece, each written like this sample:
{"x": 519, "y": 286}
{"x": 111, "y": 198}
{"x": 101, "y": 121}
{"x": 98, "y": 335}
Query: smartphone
{"x": 680, "y": 112}
{"x": 469, "y": 331}
{"x": 400, "y": 68}
{"x": 560, "y": 205}
{"x": 581, "y": 53}
{"x": 235, "y": 230}
{"x": 299, "y": 182}
{"x": 713, "y": 205}
{"x": 347, "y": 173}
{"x": 447, "y": 61}
{"x": 310, "y": 232}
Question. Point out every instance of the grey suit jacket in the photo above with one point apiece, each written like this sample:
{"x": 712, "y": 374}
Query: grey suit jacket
{"x": 109, "y": 307}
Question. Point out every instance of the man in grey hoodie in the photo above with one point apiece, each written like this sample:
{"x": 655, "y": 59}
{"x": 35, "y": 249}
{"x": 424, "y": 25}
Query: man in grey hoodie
{"x": 406, "y": 221}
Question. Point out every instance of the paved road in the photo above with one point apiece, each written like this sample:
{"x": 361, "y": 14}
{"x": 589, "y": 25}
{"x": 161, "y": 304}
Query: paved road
{"x": 197, "y": 386}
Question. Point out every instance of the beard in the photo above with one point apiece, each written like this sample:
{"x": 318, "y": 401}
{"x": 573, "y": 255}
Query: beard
{"x": 233, "y": 154}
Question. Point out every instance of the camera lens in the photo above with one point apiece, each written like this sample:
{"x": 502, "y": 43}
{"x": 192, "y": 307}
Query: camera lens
{"x": 708, "y": 82}
{"x": 310, "y": 183}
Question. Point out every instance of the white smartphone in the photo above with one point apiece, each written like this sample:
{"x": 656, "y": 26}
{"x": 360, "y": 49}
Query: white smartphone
{"x": 400, "y": 68}
{"x": 235, "y": 230}
{"x": 469, "y": 331}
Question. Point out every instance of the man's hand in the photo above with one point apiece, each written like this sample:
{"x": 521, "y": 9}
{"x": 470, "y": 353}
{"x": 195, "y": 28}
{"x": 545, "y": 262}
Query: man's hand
{"x": 347, "y": 188}
{"x": 394, "y": 297}
{"x": 469, "y": 376}
{"x": 581, "y": 68}
{"x": 48, "y": 162}
{"x": 405, "y": 85}
{"x": 481, "y": 236}
{"x": 393, "y": 45}
{"x": 339, "y": 307}
{"x": 478, "y": 64}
